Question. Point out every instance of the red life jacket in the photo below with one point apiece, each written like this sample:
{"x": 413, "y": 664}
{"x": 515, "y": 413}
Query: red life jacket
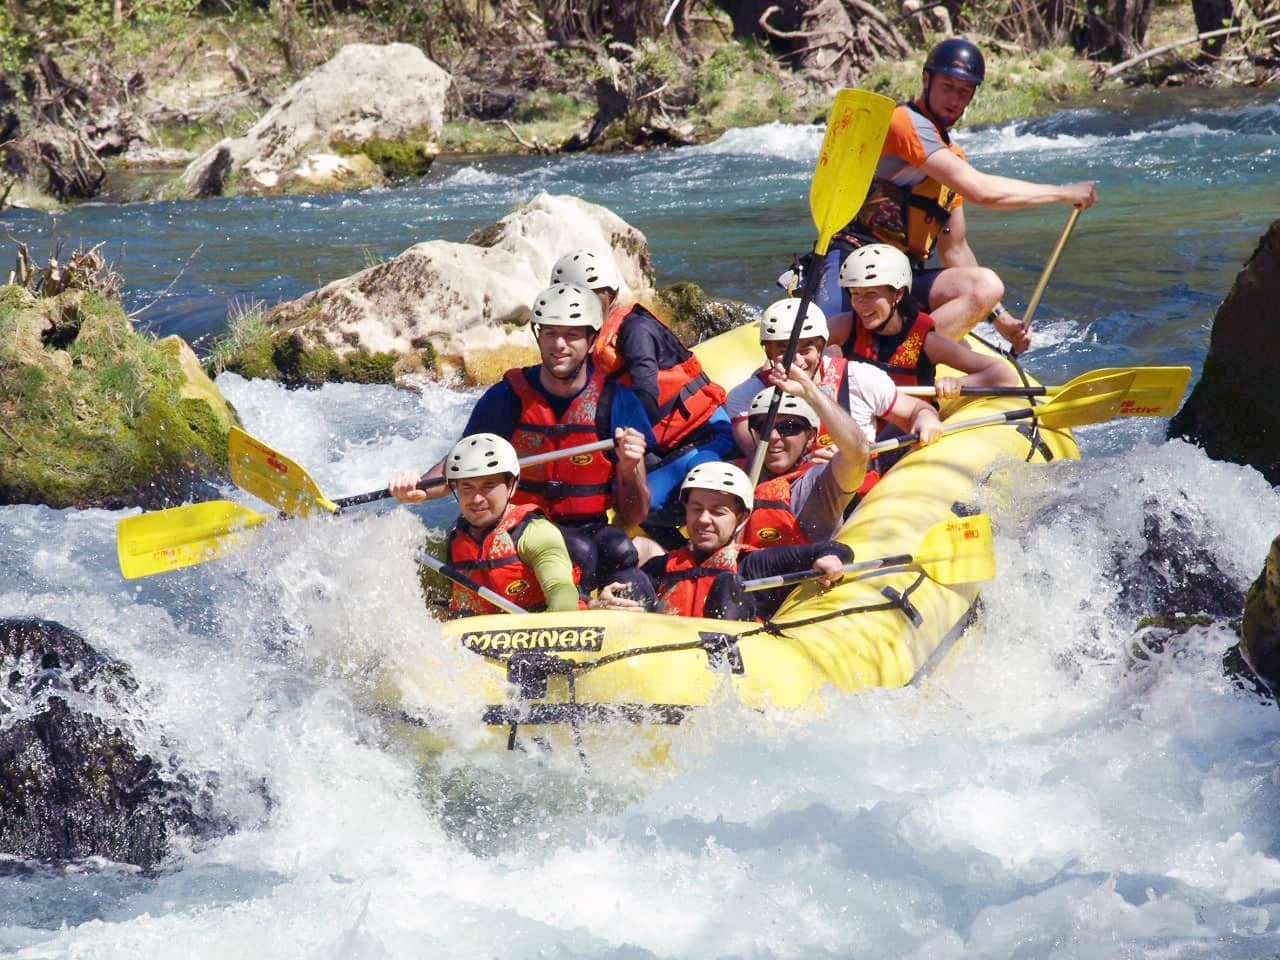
{"x": 494, "y": 563}
{"x": 577, "y": 489}
{"x": 773, "y": 522}
{"x": 686, "y": 395}
{"x": 685, "y": 584}
{"x": 901, "y": 355}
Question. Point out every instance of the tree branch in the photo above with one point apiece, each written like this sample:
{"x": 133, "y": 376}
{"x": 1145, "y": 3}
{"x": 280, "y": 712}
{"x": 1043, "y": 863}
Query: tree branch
{"x": 1120, "y": 68}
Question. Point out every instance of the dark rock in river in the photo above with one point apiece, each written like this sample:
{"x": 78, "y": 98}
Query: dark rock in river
{"x": 73, "y": 784}
{"x": 1260, "y": 639}
{"x": 1234, "y": 411}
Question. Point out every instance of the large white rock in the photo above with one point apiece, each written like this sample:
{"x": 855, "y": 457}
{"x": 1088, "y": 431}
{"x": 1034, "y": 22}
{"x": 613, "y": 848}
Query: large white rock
{"x": 461, "y": 297}
{"x": 366, "y": 92}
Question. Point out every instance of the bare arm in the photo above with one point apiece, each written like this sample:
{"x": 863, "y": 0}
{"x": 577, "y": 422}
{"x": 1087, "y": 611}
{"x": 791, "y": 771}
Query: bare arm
{"x": 915, "y": 416}
{"x": 1004, "y": 193}
{"x": 849, "y": 465}
{"x": 982, "y": 370}
{"x": 631, "y": 484}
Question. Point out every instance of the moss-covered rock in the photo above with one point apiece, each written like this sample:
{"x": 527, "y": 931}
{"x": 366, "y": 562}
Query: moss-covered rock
{"x": 696, "y": 317}
{"x": 398, "y": 159}
{"x": 93, "y": 413}
{"x": 1260, "y": 630}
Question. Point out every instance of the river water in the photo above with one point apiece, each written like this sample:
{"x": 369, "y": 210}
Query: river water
{"x": 1048, "y": 794}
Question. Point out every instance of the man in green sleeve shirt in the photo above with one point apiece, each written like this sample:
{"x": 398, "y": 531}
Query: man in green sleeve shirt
{"x": 512, "y": 549}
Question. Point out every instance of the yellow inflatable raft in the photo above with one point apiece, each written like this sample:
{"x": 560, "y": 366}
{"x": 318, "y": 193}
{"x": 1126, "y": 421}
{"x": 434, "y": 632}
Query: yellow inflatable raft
{"x": 566, "y": 679}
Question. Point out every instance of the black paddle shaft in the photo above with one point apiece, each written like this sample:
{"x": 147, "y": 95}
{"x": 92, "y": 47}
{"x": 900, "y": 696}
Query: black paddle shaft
{"x": 359, "y": 498}
{"x": 806, "y": 297}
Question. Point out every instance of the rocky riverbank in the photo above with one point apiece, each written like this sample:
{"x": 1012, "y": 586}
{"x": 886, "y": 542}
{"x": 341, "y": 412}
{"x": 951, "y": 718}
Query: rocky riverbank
{"x": 176, "y": 100}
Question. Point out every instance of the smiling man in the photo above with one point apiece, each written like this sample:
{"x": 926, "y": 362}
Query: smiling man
{"x": 510, "y": 548}
{"x": 916, "y": 202}
{"x": 562, "y": 402}
{"x": 704, "y": 577}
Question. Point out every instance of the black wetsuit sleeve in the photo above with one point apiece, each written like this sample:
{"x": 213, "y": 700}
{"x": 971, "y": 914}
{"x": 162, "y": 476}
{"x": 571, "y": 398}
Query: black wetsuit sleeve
{"x": 497, "y": 411}
{"x": 640, "y": 348}
{"x": 775, "y": 561}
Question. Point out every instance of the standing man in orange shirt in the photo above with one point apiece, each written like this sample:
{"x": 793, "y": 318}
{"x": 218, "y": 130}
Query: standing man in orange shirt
{"x": 916, "y": 203}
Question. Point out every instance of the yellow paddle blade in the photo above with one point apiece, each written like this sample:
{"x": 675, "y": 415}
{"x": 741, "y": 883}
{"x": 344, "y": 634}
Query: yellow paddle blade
{"x": 273, "y": 477}
{"x": 1094, "y": 400}
{"x": 1155, "y": 391}
{"x": 856, "y": 128}
{"x": 960, "y": 550}
{"x": 165, "y": 540}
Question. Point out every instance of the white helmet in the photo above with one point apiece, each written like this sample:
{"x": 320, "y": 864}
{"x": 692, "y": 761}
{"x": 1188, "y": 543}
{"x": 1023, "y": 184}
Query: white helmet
{"x": 588, "y": 269}
{"x": 724, "y": 477}
{"x": 790, "y": 406}
{"x": 567, "y": 305}
{"x": 778, "y": 320}
{"x": 481, "y": 455}
{"x": 876, "y": 265}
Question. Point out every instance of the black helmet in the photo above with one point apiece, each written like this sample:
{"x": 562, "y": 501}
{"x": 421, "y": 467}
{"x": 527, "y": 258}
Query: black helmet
{"x": 958, "y": 58}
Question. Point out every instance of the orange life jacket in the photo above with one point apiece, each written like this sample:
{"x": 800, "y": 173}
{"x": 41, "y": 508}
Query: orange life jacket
{"x": 686, "y": 395}
{"x": 907, "y": 217}
{"x": 901, "y": 355}
{"x": 494, "y": 563}
{"x": 773, "y": 522}
{"x": 577, "y": 489}
{"x": 685, "y": 584}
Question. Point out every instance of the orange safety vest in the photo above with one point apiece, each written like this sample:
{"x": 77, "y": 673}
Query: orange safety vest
{"x": 773, "y": 523}
{"x": 908, "y": 363}
{"x": 686, "y": 395}
{"x": 577, "y": 489}
{"x": 494, "y": 563}
{"x": 685, "y": 584}
{"x": 908, "y": 217}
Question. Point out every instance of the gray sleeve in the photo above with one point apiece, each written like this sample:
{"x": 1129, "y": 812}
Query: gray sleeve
{"x": 819, "y": 503}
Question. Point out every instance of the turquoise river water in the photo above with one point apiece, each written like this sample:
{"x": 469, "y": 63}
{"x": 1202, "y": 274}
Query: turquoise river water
{"x": 1045, "y": 796}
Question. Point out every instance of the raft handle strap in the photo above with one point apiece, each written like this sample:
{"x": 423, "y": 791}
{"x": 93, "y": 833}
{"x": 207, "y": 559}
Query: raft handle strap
{"x": 903, "y": 603}
{"x": 722, "y": 648}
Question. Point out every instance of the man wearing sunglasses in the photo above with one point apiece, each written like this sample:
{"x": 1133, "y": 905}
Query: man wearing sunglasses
{"x": 802, "y": 499}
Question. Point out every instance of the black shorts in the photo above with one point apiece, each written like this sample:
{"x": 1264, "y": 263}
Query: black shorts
{"x": 922, "y": 282}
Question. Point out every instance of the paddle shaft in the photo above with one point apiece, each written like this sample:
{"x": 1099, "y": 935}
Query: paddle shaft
{"x": 981, "y": 391}
{"x": 532, "y": 461}
{"x": 793, "y": 343}
{"x": 1034, "y": 302}
{"x": 800, "y": 576}
{"x": 460, "y": 578}
{"x": 1026, "y": 413}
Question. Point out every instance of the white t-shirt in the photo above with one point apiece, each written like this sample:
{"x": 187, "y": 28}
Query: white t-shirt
{"x": 872, "y": 394}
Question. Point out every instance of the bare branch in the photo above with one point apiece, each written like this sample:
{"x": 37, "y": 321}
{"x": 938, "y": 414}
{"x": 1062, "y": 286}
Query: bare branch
{"x": 176, "y": 277}
{"x": 1120, "y": 68}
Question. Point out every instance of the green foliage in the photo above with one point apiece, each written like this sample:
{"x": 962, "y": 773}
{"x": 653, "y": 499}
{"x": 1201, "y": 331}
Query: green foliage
{"x": 248, "y": 337}
{"x": 552, "y": 108}
{"x": 29, "y": 27}
{"x": 722, "y": 69}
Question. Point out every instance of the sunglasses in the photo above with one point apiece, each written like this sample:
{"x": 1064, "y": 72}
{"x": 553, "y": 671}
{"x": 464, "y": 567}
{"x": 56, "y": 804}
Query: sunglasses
{"x": 784, "y": 428}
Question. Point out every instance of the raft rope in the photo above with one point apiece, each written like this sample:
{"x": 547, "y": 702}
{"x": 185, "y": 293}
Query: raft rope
{"x": 1032, "y": 430}
{"x": 530, "y": 672}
